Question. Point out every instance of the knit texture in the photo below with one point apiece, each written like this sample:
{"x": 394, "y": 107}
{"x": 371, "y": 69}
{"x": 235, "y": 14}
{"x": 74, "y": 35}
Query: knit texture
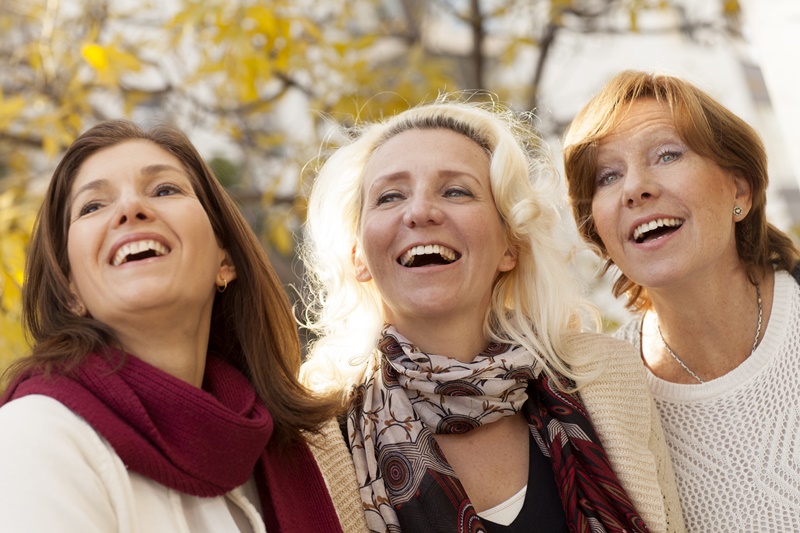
{"x": 624, "y": 416}
{"x": 336, "y": 465}
{"x": 203, "y": 442}
{"x": 735, "y": 440}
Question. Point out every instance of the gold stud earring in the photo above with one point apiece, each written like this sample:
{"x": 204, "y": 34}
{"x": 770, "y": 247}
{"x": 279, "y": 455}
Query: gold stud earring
{"x": 737, "y": 211}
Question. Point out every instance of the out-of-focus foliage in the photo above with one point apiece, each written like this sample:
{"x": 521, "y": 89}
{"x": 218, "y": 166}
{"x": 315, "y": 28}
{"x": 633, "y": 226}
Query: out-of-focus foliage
{"x": 261, "y": 83}
{"x": 16, "y": 219}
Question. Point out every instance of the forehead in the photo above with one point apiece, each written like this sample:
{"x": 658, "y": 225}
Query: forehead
{"x": 126, "y": 159}
{"x": 641, "y": 117}
{"x": 414, "y": 147}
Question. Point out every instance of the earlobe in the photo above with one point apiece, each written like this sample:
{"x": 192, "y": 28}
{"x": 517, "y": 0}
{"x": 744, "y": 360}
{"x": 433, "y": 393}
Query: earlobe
{"x": 227, "y": 270}
{"x": 76, "y": 305}
{"x": 362, "y": 271}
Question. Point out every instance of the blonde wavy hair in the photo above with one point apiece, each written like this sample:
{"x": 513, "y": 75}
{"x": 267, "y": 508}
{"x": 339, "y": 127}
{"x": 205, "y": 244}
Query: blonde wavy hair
{"x": 534, "y": 305}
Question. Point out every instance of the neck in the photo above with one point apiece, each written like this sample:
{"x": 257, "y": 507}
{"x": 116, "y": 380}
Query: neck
{"x": 176, "y": 347}
{"x": 710, "y": 328}
{"x": 459, "y": 339}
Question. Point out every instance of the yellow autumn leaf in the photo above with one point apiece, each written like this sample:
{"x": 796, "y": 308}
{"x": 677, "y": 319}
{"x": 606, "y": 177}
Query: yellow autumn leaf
{"x": 10, "y": 109}
{"x": 281, "y": 238}
{"x": 95, "y": 55}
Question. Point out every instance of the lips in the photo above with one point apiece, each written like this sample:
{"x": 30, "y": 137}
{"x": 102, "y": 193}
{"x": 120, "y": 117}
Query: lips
{"x": 428, "y": 254}
{"x": 137, "y": 250}
{"x": 655, "y": 228}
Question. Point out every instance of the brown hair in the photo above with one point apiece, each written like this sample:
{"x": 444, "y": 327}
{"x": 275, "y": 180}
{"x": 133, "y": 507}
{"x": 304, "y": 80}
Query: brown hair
{"x": 706, "y": 127}
{"x": 252, "y": 324}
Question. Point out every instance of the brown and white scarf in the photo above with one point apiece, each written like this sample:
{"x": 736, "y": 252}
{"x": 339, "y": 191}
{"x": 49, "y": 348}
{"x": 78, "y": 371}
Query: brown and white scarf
{"x": 405, "y": 480}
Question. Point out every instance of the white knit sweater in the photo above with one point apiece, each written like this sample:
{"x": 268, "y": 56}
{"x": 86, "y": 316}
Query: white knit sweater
{"x": 735, "y": 440}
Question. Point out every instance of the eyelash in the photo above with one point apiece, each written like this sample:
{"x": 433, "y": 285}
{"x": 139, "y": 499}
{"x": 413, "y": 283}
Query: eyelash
{"x": 676, "y": 154}
{"x": 88, "y": 207}
{"x": 452, "y": 192}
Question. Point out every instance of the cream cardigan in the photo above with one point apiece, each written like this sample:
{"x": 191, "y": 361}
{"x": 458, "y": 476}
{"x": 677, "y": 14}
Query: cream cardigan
{"x": 58, "y": 474}
{"x": 625, "y": 417}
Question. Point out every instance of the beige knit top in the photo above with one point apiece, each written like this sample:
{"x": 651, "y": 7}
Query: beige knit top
{"x": 336, "y": 465}
{"x": 625, "y": 418}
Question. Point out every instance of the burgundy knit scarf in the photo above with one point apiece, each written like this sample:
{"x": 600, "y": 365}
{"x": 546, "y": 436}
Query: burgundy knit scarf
{"x": 204, "y": 442}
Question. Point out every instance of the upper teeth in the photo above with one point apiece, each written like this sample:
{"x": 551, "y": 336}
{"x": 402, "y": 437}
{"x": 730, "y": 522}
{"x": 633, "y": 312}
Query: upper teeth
{"x": 444, "y": 251}
{"x": 653, "y": 224}
{"x": 136, "y": 248}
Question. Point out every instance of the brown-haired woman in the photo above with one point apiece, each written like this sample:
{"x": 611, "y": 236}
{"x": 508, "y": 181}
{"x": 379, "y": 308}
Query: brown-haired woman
{"x": 161, "y": 391}
{"x": 669, "y": 186}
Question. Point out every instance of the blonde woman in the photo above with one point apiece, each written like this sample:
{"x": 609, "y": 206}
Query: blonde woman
{"x": 448, "y": 320}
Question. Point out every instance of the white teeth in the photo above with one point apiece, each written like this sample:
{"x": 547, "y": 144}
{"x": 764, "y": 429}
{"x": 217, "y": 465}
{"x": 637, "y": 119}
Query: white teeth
{"x": 138, "y": 247}
{"x": 443, "y": 251}
{"x": 642, "y": 229}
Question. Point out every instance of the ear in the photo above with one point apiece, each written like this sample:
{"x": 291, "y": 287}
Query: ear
{"x": 362, "y": 271}
{"x": 744, "y": 193}
{"x": 227, "y": 270}
{"x": 509, "y": 260}
{"x": 76, "y": 305}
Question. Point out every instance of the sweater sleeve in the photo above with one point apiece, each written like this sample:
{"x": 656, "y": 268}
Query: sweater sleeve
{"x": 624, "y": 415}
{"x": 336, "y": 466}
{"x": 53, "y": 470}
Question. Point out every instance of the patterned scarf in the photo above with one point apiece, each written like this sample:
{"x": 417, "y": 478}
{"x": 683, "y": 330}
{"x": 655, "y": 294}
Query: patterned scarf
{"x": 411, "y": 396}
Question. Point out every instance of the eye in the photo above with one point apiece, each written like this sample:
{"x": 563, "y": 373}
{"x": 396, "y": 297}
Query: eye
{"x": 455, "y": 192}
{"x": 166, "y": 189}
{"x": 387, "y": 197}
{"x": 89, "y": 207}
{"x": 607, "y": 177}
{"x": 668, "y": 156}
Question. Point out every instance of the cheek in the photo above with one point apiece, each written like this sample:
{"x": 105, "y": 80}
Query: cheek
{"x": 601, "y": 217}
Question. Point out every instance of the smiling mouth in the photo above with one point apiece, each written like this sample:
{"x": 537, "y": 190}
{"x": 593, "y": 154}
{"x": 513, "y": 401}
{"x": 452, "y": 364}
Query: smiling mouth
{"x": 655, "y": 229}
{"x": 136, "y": 251}
{"x": 429, "y": 254}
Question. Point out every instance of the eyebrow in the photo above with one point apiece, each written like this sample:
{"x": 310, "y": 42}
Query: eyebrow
{"x": 149, "y": 170}
{"x": 399, "y": 175}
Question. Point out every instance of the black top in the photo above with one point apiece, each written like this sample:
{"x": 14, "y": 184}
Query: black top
{"x": 542, "y": 511}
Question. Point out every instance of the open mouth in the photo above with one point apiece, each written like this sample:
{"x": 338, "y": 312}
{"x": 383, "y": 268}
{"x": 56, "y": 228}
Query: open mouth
{"x": 429, "y": 254}
{"x": 136, "y": 251}
{"x": 655, "y": 229}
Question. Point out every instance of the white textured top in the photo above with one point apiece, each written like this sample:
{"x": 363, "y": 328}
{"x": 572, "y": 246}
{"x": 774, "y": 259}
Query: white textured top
{"x": 735, "y": 440}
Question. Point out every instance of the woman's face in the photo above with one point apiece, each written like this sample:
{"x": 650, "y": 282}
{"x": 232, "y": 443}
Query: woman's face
{"x": 139, "y": 239}
{"x": 430, "y": 235}
{"x": 664, "y": 212}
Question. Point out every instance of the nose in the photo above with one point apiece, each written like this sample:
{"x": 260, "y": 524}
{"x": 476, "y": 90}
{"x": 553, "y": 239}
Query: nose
{"x": 421, "y": 211}
{"x": 131, "y": 207}
{"x": 638, "y": 186}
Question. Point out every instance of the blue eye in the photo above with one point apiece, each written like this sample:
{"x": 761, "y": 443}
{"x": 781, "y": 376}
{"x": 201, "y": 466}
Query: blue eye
{"x": 607, "y": 178}
{"x": 455, "y": 192}
{"x": 388, "y": 197}
{"x": 166, "y": 189}
{"x": 89, "y": 207}
{"x": 668, "y": 156}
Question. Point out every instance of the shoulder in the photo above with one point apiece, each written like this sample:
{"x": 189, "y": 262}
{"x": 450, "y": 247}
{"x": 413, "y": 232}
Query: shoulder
{"x": 36, "y": 419}
{"x": 601, "y": 352}
{"x": 56, "y": 468}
